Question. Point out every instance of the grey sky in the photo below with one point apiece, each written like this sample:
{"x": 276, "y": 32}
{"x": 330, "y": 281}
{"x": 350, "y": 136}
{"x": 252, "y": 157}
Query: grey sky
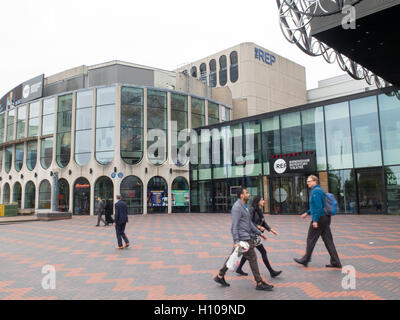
{"x": 47, "y": 36}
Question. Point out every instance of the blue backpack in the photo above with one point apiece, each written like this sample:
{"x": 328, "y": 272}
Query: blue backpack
{"x": 331, "y": 204}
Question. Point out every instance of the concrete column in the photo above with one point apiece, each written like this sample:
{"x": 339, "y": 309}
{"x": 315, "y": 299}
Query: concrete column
{"x": 145, "y": 159}
{"x": 169, "y": 158}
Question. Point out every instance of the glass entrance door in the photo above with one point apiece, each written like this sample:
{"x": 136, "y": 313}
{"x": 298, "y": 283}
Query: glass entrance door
{"x": 289, "y": 194}
{"x": 370, "y": 190}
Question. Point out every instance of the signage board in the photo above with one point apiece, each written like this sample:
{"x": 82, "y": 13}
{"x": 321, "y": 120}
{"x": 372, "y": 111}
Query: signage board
{"x": 157, "y": 198}
{"x": 298, "y": 162}
{"x": 180, "y": 198}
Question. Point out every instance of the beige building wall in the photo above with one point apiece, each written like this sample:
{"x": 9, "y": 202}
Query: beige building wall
{"x": 266, "y": 87}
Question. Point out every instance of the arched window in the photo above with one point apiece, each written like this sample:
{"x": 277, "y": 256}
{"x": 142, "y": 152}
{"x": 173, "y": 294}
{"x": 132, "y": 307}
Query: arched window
{"x": 8, "y": 159}
{"x": 19, "y": 157}
{"x": 81, "y": 197}
{"x": 45, "y": 195}
{"x": 1, "y": 159}
{"x": 157, "y": 195}
{"x": 30, "y": 195}
{"x": 203, "y": 73}
{"x": 6, "y": 193}
{"x": 31, "y": 155}
{"x": 17, "y": 194}
{"x": 223, "y": 74}
{"x": 105, "y": 124}
{"x": 180, "y": 196}
{"x": 179, "y": 117}
{"x": 213, "y": 73}
{"x": 103, "y": 188}
{"x": 193, "y": 72}
{"x": 131, "y": 125}
{"x": 46, "y": 152}
{"x": 234, "y": 68}
{"x": 64, "y": 116}
{"x": 2, "y": 124}
{"x": 63, "y": 195}
{"x": 83, "y": 127}
{"x": 157, "y": 126}
{"x": 132, "y": 193}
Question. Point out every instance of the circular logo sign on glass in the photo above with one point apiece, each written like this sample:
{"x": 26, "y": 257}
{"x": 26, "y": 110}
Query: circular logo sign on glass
{"x": 280, "y": 166}
{"x": 26, "y": 91}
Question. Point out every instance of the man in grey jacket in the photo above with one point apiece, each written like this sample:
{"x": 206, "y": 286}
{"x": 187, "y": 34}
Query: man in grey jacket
{"x": 243, "y": 229}
{"x": 100, "y": 211}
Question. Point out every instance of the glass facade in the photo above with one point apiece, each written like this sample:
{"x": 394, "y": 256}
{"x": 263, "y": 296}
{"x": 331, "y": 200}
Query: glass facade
{"x": 180, "y": 196}
{"x": 179, "y": 133}
{"x": 48, "y": 116}
{"x": 21, "y": 122}
{"x": 157, "y": 195}
{"x": 103, "y": 188}
{"x": 131, "y": 125}
{"x": 45, "y": 195}
{"x": 6, "y": 194}
{"x": 46, "y": 152}
{"x": 17, "y": 194}
{"x": 198, "y": 113}
{"x": 11, "y": 124}
{"x": 105, "y": 125}
{"x": 213, "y": 113}
{"x": 271, "y": 140}
{"x": 83, "y": 127}
{"x": 33, "y": 122}
{"x": 8, "y": 159}
{"x": 30, "y": 195}
{"x": 132, "y": 193}
{"x": 19, "y": 157}
{"x": 31, "y": 155}
{"x": 64, "y": 118}
{"x": 2, "y": 124}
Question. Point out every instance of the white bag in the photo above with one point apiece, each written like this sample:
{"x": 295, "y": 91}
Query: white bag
{"x": 233, "y": 261}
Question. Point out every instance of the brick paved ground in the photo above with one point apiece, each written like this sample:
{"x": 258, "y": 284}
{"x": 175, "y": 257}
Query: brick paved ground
{"x": 176, "y": 257}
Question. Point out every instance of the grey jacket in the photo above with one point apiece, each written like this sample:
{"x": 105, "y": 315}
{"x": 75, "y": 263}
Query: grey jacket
{"x": 242, "y": 226}
{"x": 100, "y": 207}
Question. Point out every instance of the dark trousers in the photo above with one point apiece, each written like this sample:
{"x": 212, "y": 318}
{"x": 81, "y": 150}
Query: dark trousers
{"x": 323, "y": 230}
{"x": 100, "y": 218}
{"x": 264, "y": 257}
{"x": 252, "y": 257}
{"x": 120, "y": 230}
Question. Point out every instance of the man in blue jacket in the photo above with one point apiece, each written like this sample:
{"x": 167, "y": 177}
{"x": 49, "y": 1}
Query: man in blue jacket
{"x": 121, "y": 218}
{"x": 320, "y": 225}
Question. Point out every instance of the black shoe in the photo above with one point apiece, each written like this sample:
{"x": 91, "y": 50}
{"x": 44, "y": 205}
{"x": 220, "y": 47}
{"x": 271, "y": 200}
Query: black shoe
{"x": 221, "y": 281}
{"x": 334, "y": 266}
{"x": 264, "y": 286}
{"x": 301, "y": 261}
{"x": 97, "y": 225}
{"x": 275, "y": 273}
{"x": 241, "y": 272}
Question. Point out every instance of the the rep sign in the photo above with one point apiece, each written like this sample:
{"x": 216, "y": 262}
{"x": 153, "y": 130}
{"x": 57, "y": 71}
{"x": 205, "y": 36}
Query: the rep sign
{"x": 298, "y": 162}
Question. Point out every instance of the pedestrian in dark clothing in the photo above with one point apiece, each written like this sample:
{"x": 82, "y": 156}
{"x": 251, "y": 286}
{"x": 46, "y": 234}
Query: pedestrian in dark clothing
{"x": 121, "y": 219}
{"x": 243, "y": 229}
{"x": 320, "y": 225}
{"x": 108, "y": 212}
{"x": 257, "y": 216}
{"x": 100, "y": 211}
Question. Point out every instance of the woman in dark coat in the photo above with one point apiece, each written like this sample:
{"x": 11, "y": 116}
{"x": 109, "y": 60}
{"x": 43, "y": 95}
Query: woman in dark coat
{"x": 257, "y": 216}
{"x": 108, "y": 212}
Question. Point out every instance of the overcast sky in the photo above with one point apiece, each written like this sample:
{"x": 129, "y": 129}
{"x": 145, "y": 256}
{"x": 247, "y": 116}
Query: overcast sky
{"x": 50, "y": 36}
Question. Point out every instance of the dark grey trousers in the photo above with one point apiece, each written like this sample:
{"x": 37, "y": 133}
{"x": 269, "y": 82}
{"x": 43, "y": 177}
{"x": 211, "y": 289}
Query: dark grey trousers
{"x": 323, "y": 230}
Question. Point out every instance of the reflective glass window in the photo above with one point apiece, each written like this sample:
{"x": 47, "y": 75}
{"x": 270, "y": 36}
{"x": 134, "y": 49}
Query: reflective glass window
{"x": 8, "y": 159}
{"x": 1, "y": 159}
{"x": 252, "y": 134}
{"x": 6, "y": 194}
{"x": 33, "y": 122}
{"x": 213, "y": 73}
{"x": 314, "y": 134}
{"x": 2, "y": 124}
{"x": 223, "y": 73}
{"x": 81, "y": 197}
{"x": 132, "y": 192}
{"x": 338, "y": 137}
{"x": 389, "y": 111}
{"x": 64, "y": 117}
{"x": 21, "y": 121}
{"x": 132, "y": 125}
{"x": 157, "y": 195}
{"x": 342, "y": 185}
{"x": 365, "y": 132}
{"x": 105, "y": 122}
{"x": 45, "y": 195}
{"x": 103, "y": 188}
{"x": 83, "y": 127}
{"x": 31, "y": 155}
{"x": 180, "y": 195}
{"x": 234, "y": 68}
{"x": 46, "y": 152}
{"x": 203, "y": 73}
{"x": 17, "y": 194}
{"x": 63, "y": 196}
{"x": 213, "y": 113}
{"x": 19, "y": 157}
{"x": 48, "y": 116}
{"x": 238, "y": 160}
{"x": 157, "y": 120}
{"x": 30, "y": 195}
{"x": 10, "y": 125}
{"x": 179, "y": 118}
{"x": 193, "y": 72}
{"x": 392, "y": 179}
{"x": 291, "y": 132}
{"x": 198, "y": 113}
{"x": 271, "y": 140}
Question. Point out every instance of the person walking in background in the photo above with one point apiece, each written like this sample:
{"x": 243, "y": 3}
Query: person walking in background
{"x": 243, "y": 229}
{"x": 121, "y": 219}
{"x": 108, "y": 212}
{"x": 320, "y": 225}
{"x": 100, "y": 211}
{"x": 257, "y": 216}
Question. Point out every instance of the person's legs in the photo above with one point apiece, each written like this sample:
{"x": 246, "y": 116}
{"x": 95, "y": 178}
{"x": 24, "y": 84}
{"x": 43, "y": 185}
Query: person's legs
{"x": 329, "y": 244}
{"x": 118, "y": 232}
{"x": 312, "y": 238}
{"x": 123, "y": 234}
{"x": 252, "y": 257}
{"x": 239, "y": 269}
{"x": 224, "y": 268}
{"x": 263, "y": 252}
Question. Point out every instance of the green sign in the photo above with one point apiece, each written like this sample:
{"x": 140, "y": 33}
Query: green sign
{"x": 180, "y": 198}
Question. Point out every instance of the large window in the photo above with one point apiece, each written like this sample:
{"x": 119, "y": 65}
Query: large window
{"x": 213, "y": 113}
{"x": 81, "y": 197}
{"x": 179, "y": 118}
{"x": 157, "y": 195}
{"x": 132, "y": 125}
{"x": 46, "y": 152}
{"x": 132, "y": 193}
{"x": 103, "y": 188}
{"x": 8, "y": 159}
{"x": 213, "y": 73}
{"x": 203, "y": 73}
{"x": 19, "y": 157}
{"x": 1, "y": 159}
{"x": 236, "y": 170}
{"x": 48, "y": 116}
{"x": 21, "y": 121}
{"x": 221, "y": 156}
{"x": 338, "y": 137}
{"x": 105, "y": 122}
{"x": 33, "y": 122}
{"x": 234, "y": 68}
{"x": 10, "y": 125}
{"x": 17, "y": 194}
{"x": 31, "y": 155}
{"x": 30, "y": 195}
{"x": 271, "y": 140}
{"x": 83, "y": 127}
{"x": 2, "y": 124}
{"x": 314, "y": 134}
{"x": 291, "y": 132}
{"x": 64, "y": 116}
{"x": 45, "y": 195}
{"x": 389, "y": 110}
{"x": 342, "y": 185}
{"x": 253, "y": 148}
{"x": 223, "y": 73}
{"x": 6, "y": 194}
{"x": 392, "y": 179}
{"x": 365, "y": 132}
{"x": 180, "y": 196}
{"x": 156, "y": 126}
{"x": 63, "y": 196}
{"x": 198, "y": 113}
